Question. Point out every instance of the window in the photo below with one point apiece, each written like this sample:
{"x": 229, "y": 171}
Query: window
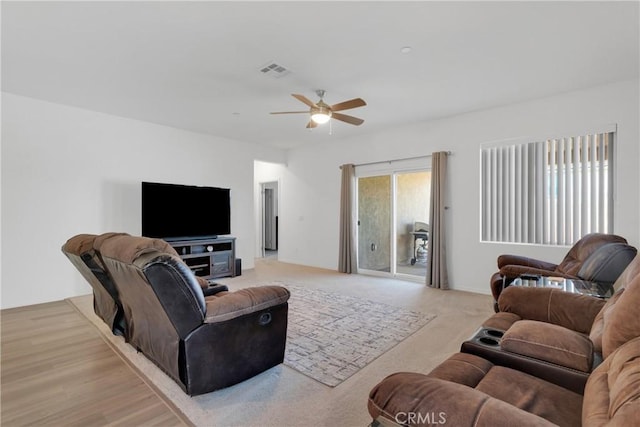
{"x": 547, "y": 192}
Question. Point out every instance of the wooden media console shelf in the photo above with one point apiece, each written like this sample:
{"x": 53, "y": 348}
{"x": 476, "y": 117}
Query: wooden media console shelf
{"x": 208, "y": 258}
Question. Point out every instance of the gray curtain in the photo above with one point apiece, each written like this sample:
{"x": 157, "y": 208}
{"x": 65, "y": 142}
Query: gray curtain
{"x": 347, "y": 251}
{"x": 437, "y": 276}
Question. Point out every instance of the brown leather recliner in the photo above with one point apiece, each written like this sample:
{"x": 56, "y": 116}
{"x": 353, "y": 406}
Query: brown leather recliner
{"x": 603, "y": 267}
{"x": 469, "y": 390}
{"x": 575, "y": 312}
{"x": 202, "y": 343}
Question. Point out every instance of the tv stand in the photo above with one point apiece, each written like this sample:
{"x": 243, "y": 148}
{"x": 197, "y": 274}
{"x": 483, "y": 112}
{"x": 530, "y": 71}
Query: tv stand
{"x": 208, "y": 257}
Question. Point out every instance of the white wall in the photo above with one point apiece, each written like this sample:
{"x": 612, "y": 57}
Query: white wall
{"x": 310, "y": 206}
{"x": 67, "y": 171}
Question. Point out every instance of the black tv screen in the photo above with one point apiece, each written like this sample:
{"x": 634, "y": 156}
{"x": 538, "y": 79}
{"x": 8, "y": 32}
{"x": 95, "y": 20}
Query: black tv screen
{"x": 171, "y": 211}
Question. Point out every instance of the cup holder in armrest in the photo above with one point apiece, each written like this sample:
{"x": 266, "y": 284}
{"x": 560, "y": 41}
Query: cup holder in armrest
{"x": 488, "y": 341}
{"x": 494, "y": 333}
{"x": 488, "y": 337}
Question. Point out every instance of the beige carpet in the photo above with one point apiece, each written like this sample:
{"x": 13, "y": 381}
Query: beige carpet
{"x": 283, "y": 396}
{"x": 332, "y": 336}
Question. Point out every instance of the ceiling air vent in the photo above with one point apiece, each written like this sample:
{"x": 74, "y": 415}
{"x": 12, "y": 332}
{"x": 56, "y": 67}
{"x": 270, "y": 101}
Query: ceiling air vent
{"x": 274, "y": 70}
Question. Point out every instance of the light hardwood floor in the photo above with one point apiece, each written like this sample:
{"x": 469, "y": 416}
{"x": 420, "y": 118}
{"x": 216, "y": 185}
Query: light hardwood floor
{"x": 58, "y": 371}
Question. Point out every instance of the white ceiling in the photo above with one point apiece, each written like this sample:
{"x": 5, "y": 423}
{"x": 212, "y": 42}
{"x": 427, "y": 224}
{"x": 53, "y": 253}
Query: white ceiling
{"x": 195, "y": 65}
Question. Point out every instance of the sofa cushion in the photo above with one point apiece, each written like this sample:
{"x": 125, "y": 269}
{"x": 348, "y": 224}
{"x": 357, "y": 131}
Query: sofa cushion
{"x": 521, "y": 390}
{"x": 551, "y": 343}
{"x": 587, "y": 245}
{"x": 533, "y": 395}
{"x": 462, "y": 368}
{"x": 80, "y": 244}
{"x": 612, "y": 393}
{"x": 410, "y": 398}
{"x": 607, "y": 263}
{"x": 133, "y": 247}
{"x": 573, "y": 311}
{"x": 598, "y": 323}
{"x": 607, "y": 313}
{"x": 632, "y": 270}
{"x": 621, "y": 320}
{"x": 99, "y": 240}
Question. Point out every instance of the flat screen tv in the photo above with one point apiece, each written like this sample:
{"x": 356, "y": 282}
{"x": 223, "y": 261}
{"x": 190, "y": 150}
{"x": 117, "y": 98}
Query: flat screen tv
{"x": 172, "y": 212}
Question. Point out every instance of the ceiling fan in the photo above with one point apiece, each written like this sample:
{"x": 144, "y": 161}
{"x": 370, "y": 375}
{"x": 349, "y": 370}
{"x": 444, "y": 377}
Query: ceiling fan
{"x": 320, "y": 112}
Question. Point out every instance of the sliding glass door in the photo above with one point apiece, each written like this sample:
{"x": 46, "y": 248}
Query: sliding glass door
{"x": 392, "y": 222}
{"x": 374, "y": 223}
{"x": 412, "y": 215}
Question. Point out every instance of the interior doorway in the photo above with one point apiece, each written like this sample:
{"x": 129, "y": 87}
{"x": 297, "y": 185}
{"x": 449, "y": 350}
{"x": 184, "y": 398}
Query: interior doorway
{"x": 269, "y": 219}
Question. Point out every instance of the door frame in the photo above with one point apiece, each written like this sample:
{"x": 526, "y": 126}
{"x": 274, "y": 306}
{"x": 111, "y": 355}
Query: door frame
{"x": 262, "y": 233}
{"x": 392, "y": 168}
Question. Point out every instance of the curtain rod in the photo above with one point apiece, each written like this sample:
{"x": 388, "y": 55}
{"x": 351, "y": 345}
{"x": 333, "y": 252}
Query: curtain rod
{"x": 397, "y": 160}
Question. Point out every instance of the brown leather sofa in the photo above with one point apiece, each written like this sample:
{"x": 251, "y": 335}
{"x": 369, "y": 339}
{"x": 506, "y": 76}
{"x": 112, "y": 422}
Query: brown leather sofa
{"x": 549, "y": 333}
{"x": 596, "y": 257}
{"x": 566, "y": 330}
{"x": 202, "y": 343}
{"x": 467, "y": 390}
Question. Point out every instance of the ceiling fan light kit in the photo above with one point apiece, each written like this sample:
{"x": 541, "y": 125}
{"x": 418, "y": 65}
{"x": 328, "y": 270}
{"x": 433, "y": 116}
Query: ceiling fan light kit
{"x": 320, "y": 112}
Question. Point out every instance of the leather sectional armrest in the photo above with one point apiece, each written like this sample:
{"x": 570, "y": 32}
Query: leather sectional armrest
{"x": 513, "y": 271}
{"x": 229, "y": 305}
{"x": 550, "y": 343}
{"x": 504, "y": 260}
{"x": 209, "y": 289}
{"x": 572, "y": 311}
{"x": 214, "y": 289}
{"x": 501, "y": 321}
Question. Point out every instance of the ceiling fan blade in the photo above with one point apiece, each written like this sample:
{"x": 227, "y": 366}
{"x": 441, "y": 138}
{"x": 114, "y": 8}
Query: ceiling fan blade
{"x": 347, "y": 119}
{"x": 346, "y": 105}
{"x": 303, "y": 99}
{"x": 290, "y": 112}
{"x": 311, "y": 124}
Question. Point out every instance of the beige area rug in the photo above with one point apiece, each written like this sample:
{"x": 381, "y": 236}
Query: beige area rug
{"x": 331, "y": 336}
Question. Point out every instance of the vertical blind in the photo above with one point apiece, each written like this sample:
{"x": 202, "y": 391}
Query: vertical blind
{"x": 547, "y": 192}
